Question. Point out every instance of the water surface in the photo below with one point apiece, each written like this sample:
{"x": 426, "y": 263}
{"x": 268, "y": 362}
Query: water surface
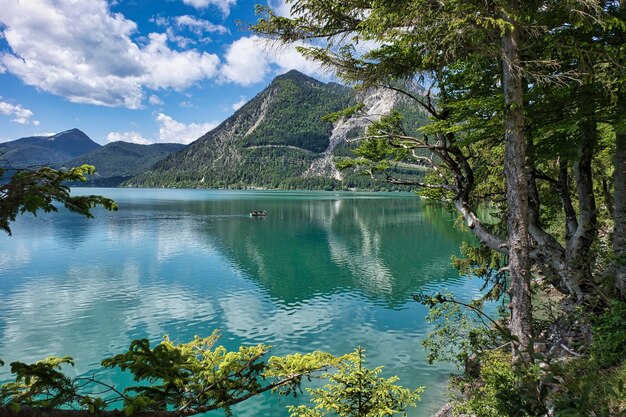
{"x": 327, "y": 271}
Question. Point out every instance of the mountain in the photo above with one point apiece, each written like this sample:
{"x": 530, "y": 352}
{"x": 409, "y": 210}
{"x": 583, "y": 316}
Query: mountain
{"x": 46, "y": 150}
{"x": 116, "y": 162}
{"x": 279, "y": 139}
{"x": 275, "y": 136}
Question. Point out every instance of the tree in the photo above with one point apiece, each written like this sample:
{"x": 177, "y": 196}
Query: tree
{"x": 481, "y": 43}
{"x": 356, "y": 391}
{"x": 192, "y": 378}
{"x": 28, "y": 191}
{"x": 619, "y": 176}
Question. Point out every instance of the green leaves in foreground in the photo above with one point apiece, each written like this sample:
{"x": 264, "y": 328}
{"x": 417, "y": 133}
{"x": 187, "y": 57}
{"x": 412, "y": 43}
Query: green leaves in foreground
{"x": 29, "y": 191}
{"x": 41, "y": 384}
{"x": 196, "y": 377}
{"x": 356, "y": 391}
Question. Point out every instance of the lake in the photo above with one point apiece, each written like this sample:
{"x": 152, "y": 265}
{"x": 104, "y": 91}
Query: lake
{"x": 324, "y": 271}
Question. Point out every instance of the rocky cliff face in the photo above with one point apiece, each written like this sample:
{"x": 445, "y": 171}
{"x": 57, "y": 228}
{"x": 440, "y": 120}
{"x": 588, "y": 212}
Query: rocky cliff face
{"x": 376, "y": 103}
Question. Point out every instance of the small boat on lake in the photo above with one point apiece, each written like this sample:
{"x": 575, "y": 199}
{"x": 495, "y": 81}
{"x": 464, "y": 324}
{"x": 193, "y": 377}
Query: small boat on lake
{"x": 258, "y": 213}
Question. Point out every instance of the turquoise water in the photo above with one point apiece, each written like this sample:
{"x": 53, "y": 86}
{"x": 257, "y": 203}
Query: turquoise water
{"x": 328, "y": 271}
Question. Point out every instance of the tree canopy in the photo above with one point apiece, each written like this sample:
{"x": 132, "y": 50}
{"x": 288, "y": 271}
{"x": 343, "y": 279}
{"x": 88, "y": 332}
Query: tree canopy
{"x": 526, "y": 105}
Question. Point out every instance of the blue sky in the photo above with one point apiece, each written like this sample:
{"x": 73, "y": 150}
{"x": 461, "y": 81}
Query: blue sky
{"x": 144, "y": 71}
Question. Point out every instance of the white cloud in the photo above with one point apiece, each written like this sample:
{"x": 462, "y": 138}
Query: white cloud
{"x": 246, "y": 61}
{"x": 132, "y": 137}
{"x": 240, "y": 103}
{"x": 82, "y": 51}
{"x": 171, "y": 130}
{"x": 280, "y": 8}
{"x": 289, "y": 58}
{"x": 199, "y": 26}
{"x": 172, "y": 69}
{"x": 223, "y": 5}
{"x": 188, "y": 24}
{"x": 249, "y": 59}
{"x": 36, "y": 122}
{"x": 155, "y": 100}
{"x": 20, "y": 114}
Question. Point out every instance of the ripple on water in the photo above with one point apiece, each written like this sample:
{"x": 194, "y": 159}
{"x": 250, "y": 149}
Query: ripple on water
{"x": 169, "y": 264}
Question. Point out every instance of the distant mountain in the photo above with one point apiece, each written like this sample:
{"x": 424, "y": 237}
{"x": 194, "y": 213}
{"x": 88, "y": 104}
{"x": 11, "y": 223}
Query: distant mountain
{"x": 116, "y": 162}
{"x": 273, "y": 138}
{"x": 46, "y": 150}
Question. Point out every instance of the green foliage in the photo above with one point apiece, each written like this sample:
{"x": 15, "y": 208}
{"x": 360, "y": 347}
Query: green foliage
{"x": 29, "y": 191}
{"x": 199, "y": 376}
{"x": 501, "y": 390}
{"x": 40, "y": 384}
{"x": 458, "y": 336}
{"x": 609, "y": 345}
{"x": 583, "y": 389}
{"x": 489, "y": 265}
{"x": 356, "y": 391}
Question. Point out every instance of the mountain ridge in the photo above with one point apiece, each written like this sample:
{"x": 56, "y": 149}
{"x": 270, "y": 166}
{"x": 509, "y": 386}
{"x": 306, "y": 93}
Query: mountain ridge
{"x": 118, "y": 161}
{"x": 46, "y": 150}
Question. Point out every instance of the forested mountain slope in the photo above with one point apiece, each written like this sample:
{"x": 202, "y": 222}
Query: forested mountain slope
{"x": 119, "y": 161}
{"x": 46, "y": 150}
{"x": 278, "y": 139}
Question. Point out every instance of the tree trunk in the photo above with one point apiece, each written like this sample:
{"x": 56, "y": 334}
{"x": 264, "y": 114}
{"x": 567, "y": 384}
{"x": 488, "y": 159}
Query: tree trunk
{"x": 619, "y": 213}
{"x": 579, "y": 244}
{"x": 619, "y": 182}
{"x": 516, "y": 191}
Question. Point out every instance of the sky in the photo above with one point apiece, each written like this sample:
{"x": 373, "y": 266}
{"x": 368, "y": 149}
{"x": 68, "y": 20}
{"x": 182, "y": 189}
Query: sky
{"x": 143, "y": 71}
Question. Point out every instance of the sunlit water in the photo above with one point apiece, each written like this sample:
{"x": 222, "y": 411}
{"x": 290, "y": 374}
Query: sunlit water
{"x": 324, "y": 271}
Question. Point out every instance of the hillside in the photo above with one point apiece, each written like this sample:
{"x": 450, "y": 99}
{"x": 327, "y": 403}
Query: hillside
{"x": 277, "y": 140}
{"x": 118, "y": 161}
{"x": 46, "y": 150}
{"x": 275, "y": 136}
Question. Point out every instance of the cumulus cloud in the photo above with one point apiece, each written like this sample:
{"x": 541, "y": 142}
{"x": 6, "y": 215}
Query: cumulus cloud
{"x": 249, "y": 59}
{"x": 176, "y": 69}
{"x": 171, "y": 130}
{"x": 199, "y": 26}
{"x": 20, "y": 114}
{"x": 246, "y": 61}
{"x": 223, "y": 5}
{"x": 132, "y": 137}
{"x": 82, "y": 51}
